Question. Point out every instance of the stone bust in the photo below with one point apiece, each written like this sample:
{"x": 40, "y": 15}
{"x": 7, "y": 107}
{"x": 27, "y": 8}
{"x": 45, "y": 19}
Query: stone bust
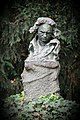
{"x": 41, "y": 68}
{"x": 45, "y": 45}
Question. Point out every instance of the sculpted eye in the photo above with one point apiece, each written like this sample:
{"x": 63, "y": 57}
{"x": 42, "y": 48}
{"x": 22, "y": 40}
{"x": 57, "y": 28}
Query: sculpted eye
{"x": 48, "y": 32}
{"x": 42, "y": 32}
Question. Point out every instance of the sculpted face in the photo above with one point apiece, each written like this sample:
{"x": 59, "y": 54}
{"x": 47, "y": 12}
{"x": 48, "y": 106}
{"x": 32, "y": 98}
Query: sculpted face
{"x": 44, "y": 33}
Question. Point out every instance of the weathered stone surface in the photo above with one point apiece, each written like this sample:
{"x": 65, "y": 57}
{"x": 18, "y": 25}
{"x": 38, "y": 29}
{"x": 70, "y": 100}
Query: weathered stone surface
{"x": 40, "y": 79}
{"x": 41, "y": 68}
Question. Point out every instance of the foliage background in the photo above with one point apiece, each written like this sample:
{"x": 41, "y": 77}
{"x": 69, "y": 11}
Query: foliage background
{"x": 16, "y": 17}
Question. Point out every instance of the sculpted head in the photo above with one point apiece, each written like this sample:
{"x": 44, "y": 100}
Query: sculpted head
{"x": 43, "y": 28}
{"x": 44, "y": 33}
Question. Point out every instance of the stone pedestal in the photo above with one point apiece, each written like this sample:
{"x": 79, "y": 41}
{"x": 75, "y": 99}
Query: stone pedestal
{"x": 40, "y": 78}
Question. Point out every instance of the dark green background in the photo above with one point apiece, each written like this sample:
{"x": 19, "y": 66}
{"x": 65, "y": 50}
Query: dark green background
{"x": 16, "y": 17}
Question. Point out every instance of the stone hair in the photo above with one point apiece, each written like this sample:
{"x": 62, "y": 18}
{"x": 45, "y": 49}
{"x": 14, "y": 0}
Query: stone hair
{"x": 42, "y": 20}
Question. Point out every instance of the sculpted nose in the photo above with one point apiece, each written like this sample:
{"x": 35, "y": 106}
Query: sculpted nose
{"x": 44, "y": 34}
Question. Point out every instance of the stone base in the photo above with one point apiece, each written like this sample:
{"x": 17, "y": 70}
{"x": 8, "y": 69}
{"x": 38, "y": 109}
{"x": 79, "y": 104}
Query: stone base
{"x": 40, "y": 81}
{"x": 36, "y": 89}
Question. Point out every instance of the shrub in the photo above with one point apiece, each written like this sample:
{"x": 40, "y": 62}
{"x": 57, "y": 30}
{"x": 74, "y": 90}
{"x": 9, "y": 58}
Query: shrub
{"x": 50, "y": 107}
